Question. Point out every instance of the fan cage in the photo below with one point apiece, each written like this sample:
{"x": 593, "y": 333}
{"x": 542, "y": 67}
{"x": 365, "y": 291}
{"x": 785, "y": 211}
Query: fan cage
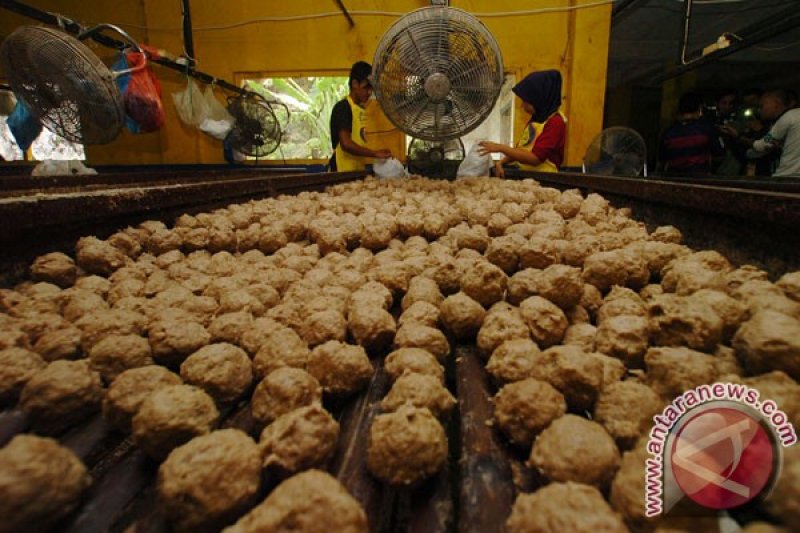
{"x": 437, "y": 73}
{"x": 63, "y": 84}
{"x": 256, "y": 131}
{"x": 617, "y": 151}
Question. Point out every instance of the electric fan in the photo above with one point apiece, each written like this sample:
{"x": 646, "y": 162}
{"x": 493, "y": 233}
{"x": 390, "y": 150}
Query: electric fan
{"x": 256, "y": 131}
{"x": 64, "y": 84}
{"x": 437, "y": 73}
{"x": 435, "y": 159}
{"x": 616, "y": 151}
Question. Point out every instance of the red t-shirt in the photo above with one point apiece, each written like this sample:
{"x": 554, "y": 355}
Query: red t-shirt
{"x": 549, "y": 145}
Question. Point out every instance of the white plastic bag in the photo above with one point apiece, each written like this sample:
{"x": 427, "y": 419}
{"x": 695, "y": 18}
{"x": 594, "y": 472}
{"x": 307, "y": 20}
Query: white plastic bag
{"x": 218, "y": 122}
{"x": 51, "y": 167}
{"x": 475, "y": 165}
{"x": 389, "y": 168}
{"x": 191, "y": 105}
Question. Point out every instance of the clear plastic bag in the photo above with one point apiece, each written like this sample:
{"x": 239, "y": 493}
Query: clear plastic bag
{"x": 475, "y": 165}
{"x": 389, "y": 168}
{"x": 192, "y": 107}
{"x": 218, "y": 122}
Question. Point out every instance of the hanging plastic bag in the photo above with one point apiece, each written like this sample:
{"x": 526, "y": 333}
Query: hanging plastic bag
{"x": 143, "y": 96}
{"x": 218, "y": 122}
{"x": 191, "y": 106}
{"x": 389, "y": 168}
{"x": 475, "y": 165}
{"x": 23, "y": 125}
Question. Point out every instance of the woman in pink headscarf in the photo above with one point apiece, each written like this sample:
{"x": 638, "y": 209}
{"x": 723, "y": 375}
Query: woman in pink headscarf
{"x": 541, "y": 146}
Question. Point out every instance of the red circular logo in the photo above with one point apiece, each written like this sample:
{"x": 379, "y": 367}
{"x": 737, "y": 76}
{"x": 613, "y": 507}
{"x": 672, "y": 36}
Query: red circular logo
{"x": 722, "y": 458}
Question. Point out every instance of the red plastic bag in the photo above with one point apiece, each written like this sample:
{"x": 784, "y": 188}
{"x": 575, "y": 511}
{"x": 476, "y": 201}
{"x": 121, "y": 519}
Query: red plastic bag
{"x": 142, "y": 97}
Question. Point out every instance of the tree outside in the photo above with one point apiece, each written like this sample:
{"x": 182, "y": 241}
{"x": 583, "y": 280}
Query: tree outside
{"x": 310, "y": 101}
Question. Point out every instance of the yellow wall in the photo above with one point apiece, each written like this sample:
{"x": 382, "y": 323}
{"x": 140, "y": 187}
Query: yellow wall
{"x": 575, "y": 42}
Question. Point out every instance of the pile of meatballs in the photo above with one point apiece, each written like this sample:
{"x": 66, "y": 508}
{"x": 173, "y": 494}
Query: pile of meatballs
{"x": 588, "y": 325}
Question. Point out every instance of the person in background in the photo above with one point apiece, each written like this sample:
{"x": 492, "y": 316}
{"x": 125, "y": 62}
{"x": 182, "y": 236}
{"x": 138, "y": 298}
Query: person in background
{"x": 689, "y": 146}
{"x": 783, "y": 136}
{"x": 730, "y": 163}
{"x": 541, "y": 146}
{"x": 348, "y": 124}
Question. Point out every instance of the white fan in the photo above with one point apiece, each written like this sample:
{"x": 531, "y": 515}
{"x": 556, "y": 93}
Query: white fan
{"x": 616, "y": 151}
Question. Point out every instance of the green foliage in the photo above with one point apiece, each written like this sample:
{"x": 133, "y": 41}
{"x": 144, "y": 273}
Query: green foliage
{"x": 310, "y": 101}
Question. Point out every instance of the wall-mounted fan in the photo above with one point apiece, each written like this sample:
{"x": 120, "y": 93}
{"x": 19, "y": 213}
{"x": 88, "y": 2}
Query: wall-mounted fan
{"x": 435, "y": 159}
{"x": 64, "y": 84}
{"x": 437, "y": 73}
{"x": 256, "y": 130}
{"x": 616, "y": 151}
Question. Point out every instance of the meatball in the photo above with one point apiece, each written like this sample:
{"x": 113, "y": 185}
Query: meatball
{"x": 573, "y": 507}
{"x": 784, "y": 501}
{"x": 300, "y": 439}
{"x": 98, "y": 257}
{"x": 210, "y": 480}
{"x": 538, "y": 253}
{"x": 42, "y": 483}
{"x": 576, "y": 374}
{"x": 372, "y": 292}
{"x": 284, "y": 390}
{"x": 679, "y": 321}
{"x": 324, "y": 326}
{"x": 422, "y": 313}
{"x": 62, "y": 343}
{"x": 581, "y": 335}
{"x": 769, "y": 341}
{"x": 280, "y": 347}
{"x": 575, "y": 449}
{"x": 406, "y": 447}
{"x": 731, "y": 311}
{"x": 514, "y": 360}
{"x": 172, "y": 340}
{"x": 222, "y": 370}
{"x": 54, "y": 268}
{"x": 311, "y": 502}
{"x": 118, "y": 353}
{"x": 419, "y": 390}
{"x": 502, "y": 323}
{"x": 605, "y": 269}
{"x": 422, "y": 289}
{"x": 561, "y": 284}
{"x": 524, "y": 408}
{"x": 372, "y": 327}
{"x": 624, "y": 337}
{"x": 782, "y": 389}
{"x": 484, "y": 282}
{"x": 412, "y": 360}
{"x": 628, "y": 487}
{"x": 462, "y": 315}
{"x": 427, "y": 338}
{"x": 130, "y": 389}
{"x": 342, "y": 369}
{"x": 96, "y": 326}
{"x": 613, "y": 368}
{"x": 171, "y": 416}
{"x": 613, "y": 411}
{"x": 230, "y": 327}
{"x": 62, "y": 394}
{"x": 673, "y": 371}
{"x": 546, "y": 322}
{"x": 789, "y": 284}
{"x": 17, "y": 367}
{"x": 523, "y": 284}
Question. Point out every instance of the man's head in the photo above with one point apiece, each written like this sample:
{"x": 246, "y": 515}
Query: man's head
{"x": 360, "y": 86}
{"x": 774, "y": 103}
{"x": 726, "y": 102}
{"x": 690, "y": 103}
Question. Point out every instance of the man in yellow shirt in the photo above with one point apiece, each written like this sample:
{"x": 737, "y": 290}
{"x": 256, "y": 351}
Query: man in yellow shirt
{"x": 348, "y": 124}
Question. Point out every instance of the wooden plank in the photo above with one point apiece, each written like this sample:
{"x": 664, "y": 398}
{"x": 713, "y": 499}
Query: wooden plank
{"x": 487, "y": 486}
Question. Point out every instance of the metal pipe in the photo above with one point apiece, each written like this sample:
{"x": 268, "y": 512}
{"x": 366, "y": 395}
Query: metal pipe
{"x": 188, "y": 40}
{"x": 772, "y": 26}
{"x": 344, "y": 10}
{"x": 687, "y": 20}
